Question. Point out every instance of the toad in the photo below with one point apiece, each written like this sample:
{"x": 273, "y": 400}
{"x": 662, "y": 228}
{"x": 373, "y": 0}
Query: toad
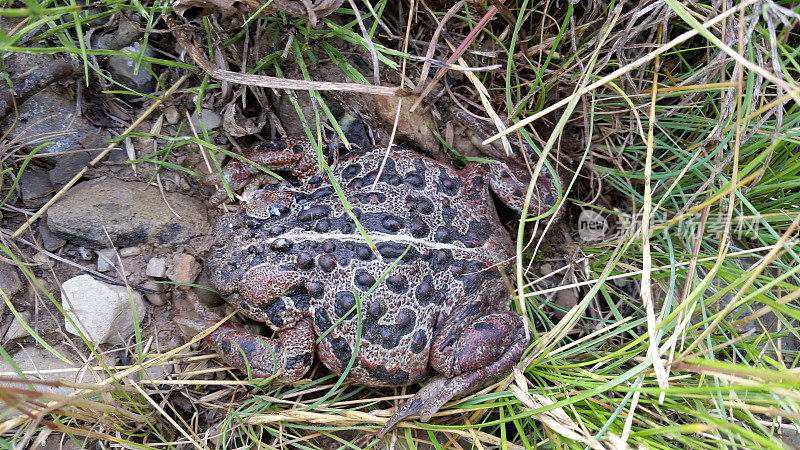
{"x": 396, "y": 270}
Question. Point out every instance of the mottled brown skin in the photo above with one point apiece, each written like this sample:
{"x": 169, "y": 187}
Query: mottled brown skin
{"x": 293, "y": 258}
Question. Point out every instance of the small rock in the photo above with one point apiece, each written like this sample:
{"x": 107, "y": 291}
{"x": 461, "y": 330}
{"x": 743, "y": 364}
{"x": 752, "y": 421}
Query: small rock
{"x": 35, "y": 187}
{"x": 210, "y": 119}
{"x": 411, "y": 125}
{"x": 10, "y": 282}
{"x": 37, "y": 363}
{"x": 566, "y": 298}
{"x": 94, "y": 143}
{"x": 122, "y": 68}
{"x": 43, "y": 259}
{"x": 184, "y": 269}
{"x": 157, "y": 298}
{"x": 132, "y": 215}
{"x": 127, "y": 252}
{"x": 102, "y": 311}
{"x": 59, "y": 441}
{"x": 208, "y": 297}
{"x": 125, "y": 33}
{"x": 50, "y": 241}
{"x": 85, "y": 255}
{"x": 48, "y": 116}
{"x": 16, "y": 330}
{"x": 106, "y": 260}
{"x": 157, "y": 267}
{"x": 67, "y": 166}
{"x": 185, "y": 184}
{"x": 172, "y": 115}
{"x": 153, "y": 373}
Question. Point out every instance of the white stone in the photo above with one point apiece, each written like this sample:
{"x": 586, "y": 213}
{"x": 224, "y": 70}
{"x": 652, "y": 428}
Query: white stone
{"x": 106, "y": 260}
{"x": 210, "y": 119}
{"x": 156, "y": 298}
{"x": 102, "y": 311}
{"x": 157, "y": 267}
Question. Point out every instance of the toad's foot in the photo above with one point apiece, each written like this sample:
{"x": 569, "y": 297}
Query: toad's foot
{"x": 483, "y": 350}
{"x": 285, "y": 359}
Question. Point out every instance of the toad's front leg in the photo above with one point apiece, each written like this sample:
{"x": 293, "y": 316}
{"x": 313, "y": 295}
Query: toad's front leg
{"x": 287, "y": 358}
{"x": 469, "y": 353}
{"x": 290, "y": 154}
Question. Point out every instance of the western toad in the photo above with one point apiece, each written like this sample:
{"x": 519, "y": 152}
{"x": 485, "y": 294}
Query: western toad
{"x": 432, "y": 292}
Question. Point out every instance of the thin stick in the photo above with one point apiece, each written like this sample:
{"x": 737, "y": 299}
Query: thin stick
{"x": 97, "y": 159}
{"x": 267, "y": 81}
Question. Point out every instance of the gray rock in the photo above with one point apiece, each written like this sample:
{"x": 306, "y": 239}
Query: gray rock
{"x": 35, "y": 188}
{"x": 10, "y": 282}
{"x": 16, "y": 330}
{"x": 210, "y": 119}
{"x": 39, "y": 364}
{"x": 50, "y": 241}
{"x": 125, "y": 33}
{"x": 103, "y": 312}
{"x": 67, "y": 166}
{"x": 122, "y": 68}
{"x": 48, "y": 117}
{"x": 131, "y": 214}
{"x": 157, "y": 267}
{"x": 106, "y": 259}
{"x": 59, "y": 441}
{"x": 94, "y": 143}
{"x": 127, "y": 252}
{"x": 172, "y": 115}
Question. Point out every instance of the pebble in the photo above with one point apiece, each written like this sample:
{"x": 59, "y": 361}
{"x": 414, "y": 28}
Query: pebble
{"x": 42, "y": 259}
{"x": 10, "y": 282}
{"x": 172, "y": 115}
{"x": 157, "y": 267}
{"x": 183, "y": 269}
{"x": 132, "y": 215}
{"x": 185, "y": 184}
{"x": 67, "y": 166}
{"x": 101, "y": 310}
{"x": 48, "y": 116}
{"x": 210, "y": 119}
{"x": 122, "y": 68}
{"x": 85, "y": 255}
{"x": 35, "y": 188}
{"x": 50, "y": 241}
{"x": 106, "y": 260}
{"x": 127, "y": 252}
{"x": 39, "y": 364}
{"x": 157, "y": 298}
{"x": 16, "y": 330}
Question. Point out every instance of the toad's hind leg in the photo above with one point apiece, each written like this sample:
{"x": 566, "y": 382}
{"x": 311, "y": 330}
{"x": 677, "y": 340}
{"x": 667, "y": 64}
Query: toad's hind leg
{"x": 468, "y": 355}
{"x": 287, "y": 358}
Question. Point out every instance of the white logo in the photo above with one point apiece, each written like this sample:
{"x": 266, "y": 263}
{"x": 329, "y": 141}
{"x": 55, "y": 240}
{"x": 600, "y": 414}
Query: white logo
{"x": 592, "y": 226}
